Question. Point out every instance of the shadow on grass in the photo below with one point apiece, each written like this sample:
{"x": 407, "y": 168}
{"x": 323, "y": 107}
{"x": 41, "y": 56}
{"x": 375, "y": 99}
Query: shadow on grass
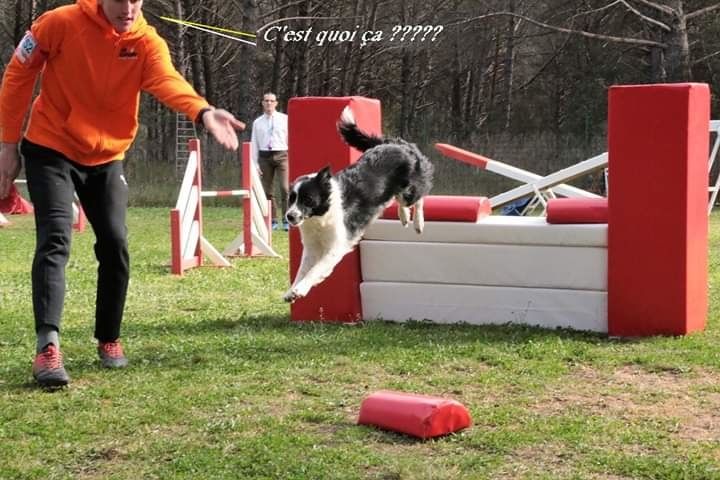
{"x": 391, "y": 331}
{"x": 272, "y": 338}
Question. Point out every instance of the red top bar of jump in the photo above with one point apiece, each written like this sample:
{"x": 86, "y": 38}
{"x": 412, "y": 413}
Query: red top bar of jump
{"x": 462, "y": 155}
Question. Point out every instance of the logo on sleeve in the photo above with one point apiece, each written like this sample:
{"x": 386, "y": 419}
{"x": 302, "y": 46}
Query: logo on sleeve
{"x": 26, "y": 48}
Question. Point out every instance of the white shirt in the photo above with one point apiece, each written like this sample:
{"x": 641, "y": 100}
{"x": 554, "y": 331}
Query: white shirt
{"x": 269, "y": 132}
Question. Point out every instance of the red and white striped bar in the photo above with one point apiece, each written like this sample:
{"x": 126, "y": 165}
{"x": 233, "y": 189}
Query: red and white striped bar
{"x": 508, "y": 171}
{"x": 224, "y": 193}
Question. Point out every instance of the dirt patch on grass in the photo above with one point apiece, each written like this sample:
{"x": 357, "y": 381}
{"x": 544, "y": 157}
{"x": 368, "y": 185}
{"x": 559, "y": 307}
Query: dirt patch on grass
{"x": 688, "y": 401}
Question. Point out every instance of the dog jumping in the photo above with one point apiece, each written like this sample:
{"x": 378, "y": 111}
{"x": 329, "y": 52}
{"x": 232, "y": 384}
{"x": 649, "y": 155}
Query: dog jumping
{"x": 333, "y": 211}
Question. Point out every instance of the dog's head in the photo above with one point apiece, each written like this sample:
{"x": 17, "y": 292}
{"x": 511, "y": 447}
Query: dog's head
{"x": 309, "y": 197}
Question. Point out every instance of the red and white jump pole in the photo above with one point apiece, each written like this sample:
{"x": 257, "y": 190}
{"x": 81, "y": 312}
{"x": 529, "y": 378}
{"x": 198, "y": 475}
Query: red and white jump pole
{"x": 186, "y": 217}
{"x": 256, "y": 237}
{"x": 188, "y": 245}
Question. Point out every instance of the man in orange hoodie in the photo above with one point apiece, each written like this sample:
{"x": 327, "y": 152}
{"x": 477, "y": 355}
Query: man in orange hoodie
{"x": 96, "y": 56}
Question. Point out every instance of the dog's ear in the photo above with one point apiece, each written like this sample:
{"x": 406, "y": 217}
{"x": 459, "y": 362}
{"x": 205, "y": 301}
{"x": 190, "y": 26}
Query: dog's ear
{"x": 324, "y": 174}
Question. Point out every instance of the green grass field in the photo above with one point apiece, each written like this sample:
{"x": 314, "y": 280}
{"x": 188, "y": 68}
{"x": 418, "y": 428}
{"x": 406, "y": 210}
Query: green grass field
{"x": 223, "y": 385}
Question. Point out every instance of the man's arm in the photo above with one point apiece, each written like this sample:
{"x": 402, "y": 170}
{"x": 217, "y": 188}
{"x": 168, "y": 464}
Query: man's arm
{"x": 16, "y": 92}
{"x": 161, "y": 80}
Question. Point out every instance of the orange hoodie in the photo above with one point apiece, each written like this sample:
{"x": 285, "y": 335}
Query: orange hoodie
{"x": 92, "y": 76}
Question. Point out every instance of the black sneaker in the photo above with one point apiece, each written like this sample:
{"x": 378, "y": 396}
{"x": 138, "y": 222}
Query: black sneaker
{"x": 48, "y": 369}
{"x": 111, "y": 355}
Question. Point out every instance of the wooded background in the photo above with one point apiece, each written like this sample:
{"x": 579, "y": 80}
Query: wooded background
{"x": 522, "y": 81}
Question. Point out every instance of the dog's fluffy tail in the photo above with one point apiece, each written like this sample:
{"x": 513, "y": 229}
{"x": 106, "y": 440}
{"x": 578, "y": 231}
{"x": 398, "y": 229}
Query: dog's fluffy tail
{"x": 355, "y": 137}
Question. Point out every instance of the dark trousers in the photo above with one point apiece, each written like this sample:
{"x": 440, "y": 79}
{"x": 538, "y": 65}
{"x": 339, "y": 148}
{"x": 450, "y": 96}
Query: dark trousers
{"x": 272, "y": 163}
{"x": 103, "y": 193}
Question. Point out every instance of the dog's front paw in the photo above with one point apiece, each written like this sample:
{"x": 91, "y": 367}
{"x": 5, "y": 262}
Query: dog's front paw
{"x": 290, "y": 296}
{"x": 419, "y": 221}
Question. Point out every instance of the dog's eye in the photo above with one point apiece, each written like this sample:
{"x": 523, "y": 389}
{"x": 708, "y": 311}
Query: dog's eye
{"x": 308, "y": 200}
{"x": 293, "y": 197}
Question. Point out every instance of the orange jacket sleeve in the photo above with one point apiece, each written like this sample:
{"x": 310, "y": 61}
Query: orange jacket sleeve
{"x": 21, "y": 74}
{"x": 164, "y": 82}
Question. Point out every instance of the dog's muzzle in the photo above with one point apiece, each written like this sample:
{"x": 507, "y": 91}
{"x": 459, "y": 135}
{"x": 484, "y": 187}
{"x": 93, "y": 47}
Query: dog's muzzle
{"x": 294, "y": 217}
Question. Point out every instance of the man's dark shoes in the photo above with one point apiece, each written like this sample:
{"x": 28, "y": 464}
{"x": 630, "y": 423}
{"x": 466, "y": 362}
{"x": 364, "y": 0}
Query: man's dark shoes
{"x": 111, "y": 355}
{"x": 48, "y": 368}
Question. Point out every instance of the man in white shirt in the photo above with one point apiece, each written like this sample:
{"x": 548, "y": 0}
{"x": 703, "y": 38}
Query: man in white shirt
{"x": 269, "y": 150}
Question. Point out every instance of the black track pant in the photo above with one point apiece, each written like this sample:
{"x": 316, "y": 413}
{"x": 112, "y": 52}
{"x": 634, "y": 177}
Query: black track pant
{"x": 103, "y": 193}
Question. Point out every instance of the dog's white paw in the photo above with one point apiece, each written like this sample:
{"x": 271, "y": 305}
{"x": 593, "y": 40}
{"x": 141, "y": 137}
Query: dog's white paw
{"x": 419, "y": 222}
{"x": 291, "y": 295}
{"x": 404, "y": 215}
{"x": 297, "y": 291}
{"x": 419, "y": 217}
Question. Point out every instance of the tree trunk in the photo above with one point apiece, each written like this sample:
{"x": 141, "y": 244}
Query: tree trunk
{"x": 250, "y": 87}
{"x": 302, "y": 56}
{"x": 18, "y": 30}
{"x": 181, "y": 60}
{"x": 508, "y": 69}
{"x": 677, "y": 57}
{"x": 456, "y": 95}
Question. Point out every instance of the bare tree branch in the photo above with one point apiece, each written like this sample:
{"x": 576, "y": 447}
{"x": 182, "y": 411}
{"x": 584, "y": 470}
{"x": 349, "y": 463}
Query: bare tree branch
{"x": 596, "y": 36}
{"x": 662, "y": 8}
{"x": 281, "y": 8}
{"x": 706, "y": 57}
{"x": 285, "y": 19}
{"x": 645, "y": 17}
{"x": 702, "y": 11}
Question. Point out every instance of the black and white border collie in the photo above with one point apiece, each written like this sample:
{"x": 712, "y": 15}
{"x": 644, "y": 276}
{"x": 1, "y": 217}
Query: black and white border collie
{"x": 333, "y": 211}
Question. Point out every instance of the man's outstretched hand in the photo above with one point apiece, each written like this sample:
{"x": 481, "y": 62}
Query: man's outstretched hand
{"x": 222, "y": 125}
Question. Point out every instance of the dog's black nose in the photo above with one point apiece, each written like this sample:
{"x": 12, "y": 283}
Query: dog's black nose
{"x": 291, "y": 218}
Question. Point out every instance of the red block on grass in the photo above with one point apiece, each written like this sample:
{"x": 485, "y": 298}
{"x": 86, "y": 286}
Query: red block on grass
{"x": 577, "y": 210}
{"x": 417, "y": 415}
{"x": 446, "y": 208}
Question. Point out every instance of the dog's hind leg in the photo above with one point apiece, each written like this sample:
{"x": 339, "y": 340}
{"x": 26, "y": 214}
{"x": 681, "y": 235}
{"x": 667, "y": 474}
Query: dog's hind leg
{"x": 419, "y": 217}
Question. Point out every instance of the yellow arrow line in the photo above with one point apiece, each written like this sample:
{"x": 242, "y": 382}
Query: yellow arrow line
{"x": 218, "y": 29}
